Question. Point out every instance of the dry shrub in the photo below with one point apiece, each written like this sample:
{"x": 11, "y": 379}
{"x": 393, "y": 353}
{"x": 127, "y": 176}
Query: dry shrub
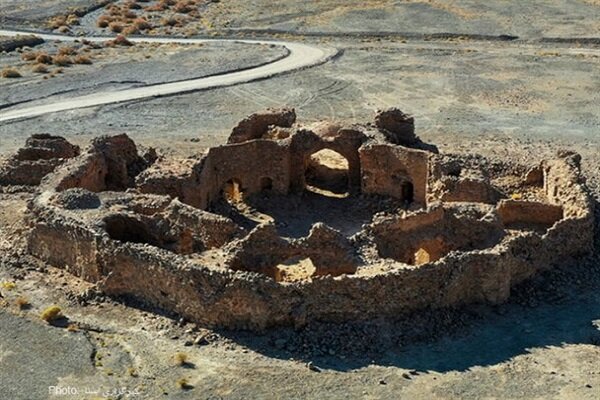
{"x": 114, "y": 10}
{"x": 73, "y": 328}
{"x": 40, "y": 69}
{"x": 29, "y": 56}
{"x": 183, "y": 7}
{"x": 181, "y": 358}
{"x": 133, "y": 6}
{"x": 129, "y": 14}
{"x": 82, "y": 60}
{"x": 103, "y": 21}
{"x": 62, "y": 60}
{"x": 119, "y": 40}
{"x": 116, "y": 27}
{"x": 183, "y": 384}
{"x": 141, "y": 24}
{"x": 43, "y": 58}
{"x": 156, "y": 7}
{"x": 22, "y": 303}
{"x": 130, "y": 30}
{"x": 72, "y": 20}
{"x": 9, "y": 72}
{"x": 58, "y": 21}
{"x": 170, "y": 21}
{"x": 51, "y": 313}
{"x": 67, "y": 51}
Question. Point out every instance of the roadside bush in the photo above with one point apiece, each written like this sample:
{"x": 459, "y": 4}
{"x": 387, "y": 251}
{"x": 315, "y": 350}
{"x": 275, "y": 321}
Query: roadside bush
{"x": 82, "y": 60}
{"x": 62, "y": 60}
{"x": 43, "y": 58}
{"x": 40, "y": 69}
{"x": 103, "y": 21}
{"x": 141, "y": 24}
{"x": 115, "y": 27}
{"x": 67, "y": 51}
{"x": 130, "y": 30}
{"x": 29, "y": 56}
{"x": 10, "y": 73}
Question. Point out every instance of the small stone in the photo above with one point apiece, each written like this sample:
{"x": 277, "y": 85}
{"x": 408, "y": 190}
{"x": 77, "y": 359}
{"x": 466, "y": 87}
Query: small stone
{"x": 414, "y": 372}
{"x": 188, "y": 343}
{"x": 313, "y": 367}
{"x": 200, "y": 341}
{"x": 406, "y": 376}
{"x": 382, "y": 382}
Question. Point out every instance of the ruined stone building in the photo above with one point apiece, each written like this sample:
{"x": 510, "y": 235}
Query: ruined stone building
{"x": 288, "y": 223}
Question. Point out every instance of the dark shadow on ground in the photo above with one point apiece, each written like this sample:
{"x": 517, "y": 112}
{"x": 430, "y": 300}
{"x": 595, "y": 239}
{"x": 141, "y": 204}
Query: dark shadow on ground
{"x": 294, "y": 215}
{"x": 486, "y": 336}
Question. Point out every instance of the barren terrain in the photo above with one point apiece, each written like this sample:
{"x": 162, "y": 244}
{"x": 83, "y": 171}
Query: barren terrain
{"x": 504, "y": 79}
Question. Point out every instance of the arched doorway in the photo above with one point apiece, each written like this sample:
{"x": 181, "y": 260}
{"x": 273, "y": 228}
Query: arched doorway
{"x": 232, "y": 191}
{"x": 407, "y": 191}
{"x": 327, "y": 172}
{"x": 266, "y": 183}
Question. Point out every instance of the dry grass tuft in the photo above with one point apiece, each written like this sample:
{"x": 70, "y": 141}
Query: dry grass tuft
{"x": 43, "y": 58}
{"x": 141, "y": 24}
{"x": 82, "y": 60}
{"x": 39, "y": 69}
{"x": 130, "y": 30}
{"x": 9, "y": 72}
{"x": 181, "y": 358}
{"x": 29, "y": 55}
{"x": 57, "y": 22}
{"x": 120, "y": 40}
{"x": 62, "y": 60}
{"x": 22, "y": 302}
{"x": 184, "y": 384}
{"x": 170, "y": 21}
{"x": 51, "y": 314}
{"x": 103, "y": 21}
{"x": 67, "y": 51}
{"x": 116, "y": 27}
{"x": 73, "y": 328}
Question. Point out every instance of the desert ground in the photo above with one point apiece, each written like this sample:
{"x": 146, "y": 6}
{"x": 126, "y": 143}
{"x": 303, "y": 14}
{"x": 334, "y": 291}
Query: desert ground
{"x": 507, "y": 80}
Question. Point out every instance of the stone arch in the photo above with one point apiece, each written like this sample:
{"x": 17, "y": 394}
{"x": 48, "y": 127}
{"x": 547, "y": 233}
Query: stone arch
{"x": 327, "y": 170}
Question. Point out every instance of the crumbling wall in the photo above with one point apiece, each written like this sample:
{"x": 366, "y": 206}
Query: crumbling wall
{"x": 250, "y": 164}
{"x": 41, "y": 155}
{"x": 514, "y": 212}
{"x": 110, "y": 163}
{"x": 177, "y": 178}
{"x": 257, "y": 125}
{"x": 427, "y": 235}
{"x": 395, "y": 171}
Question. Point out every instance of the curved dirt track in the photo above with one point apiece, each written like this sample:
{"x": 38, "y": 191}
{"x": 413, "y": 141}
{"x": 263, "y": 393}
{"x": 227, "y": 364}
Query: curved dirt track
{"x": 300, "y": 56}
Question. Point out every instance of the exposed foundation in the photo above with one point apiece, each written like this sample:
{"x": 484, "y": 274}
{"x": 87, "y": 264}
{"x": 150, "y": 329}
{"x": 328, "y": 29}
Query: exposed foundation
{"x": 287, "y": 224}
